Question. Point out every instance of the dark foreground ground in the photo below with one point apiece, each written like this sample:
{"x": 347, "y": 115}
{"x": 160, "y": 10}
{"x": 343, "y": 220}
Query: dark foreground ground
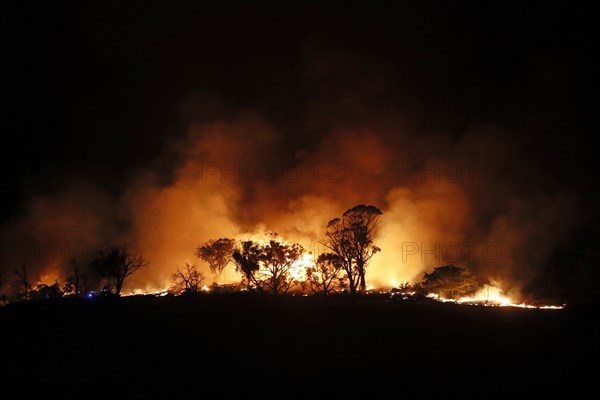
{"x": 293, "y": 347}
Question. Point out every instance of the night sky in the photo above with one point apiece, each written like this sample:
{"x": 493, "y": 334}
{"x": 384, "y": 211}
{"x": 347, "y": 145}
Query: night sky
{"x": 104, "y": 92}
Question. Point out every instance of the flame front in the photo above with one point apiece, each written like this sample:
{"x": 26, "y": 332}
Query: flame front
{"x": 491, "y": 295}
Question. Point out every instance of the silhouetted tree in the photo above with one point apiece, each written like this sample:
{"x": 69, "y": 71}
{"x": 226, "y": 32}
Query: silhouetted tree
{"x": 247, "y": 262}
{"x": 23, "y": 277}
{"x": 324, "y": 277}
{"x": 217, "y": 253}
{"x": 43, "y": 291}
{"x": 88, "y": 280}
{"x": 449, "y": 281}
{"x": 187, "y": 279}
{"x": 277, "y": 261}
{"x": 116, "y": 264}
{"x": 338, "y": 241}
{"x": 362, "y": 221}
{"x": 351, "y": 238}
{"x": 81, "y": 280}
{"x": 73, "y": 284}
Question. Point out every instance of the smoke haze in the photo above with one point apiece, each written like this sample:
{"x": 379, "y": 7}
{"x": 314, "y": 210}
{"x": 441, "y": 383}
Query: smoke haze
{"x": 465, "y": 158}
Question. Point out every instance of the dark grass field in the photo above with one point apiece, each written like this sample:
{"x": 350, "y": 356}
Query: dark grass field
{"x": 291, "y": 347}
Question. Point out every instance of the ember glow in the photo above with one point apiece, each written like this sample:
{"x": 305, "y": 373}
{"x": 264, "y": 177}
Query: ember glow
{"x": 139, "y": 292}
{"x": 492, "y": 296}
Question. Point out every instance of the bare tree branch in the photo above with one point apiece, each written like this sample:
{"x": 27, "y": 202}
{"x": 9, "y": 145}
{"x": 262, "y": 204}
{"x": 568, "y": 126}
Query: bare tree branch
{"x": 188, "y": 279}
{"x": 23, "y": 277}
{"x": 117, "y": 263}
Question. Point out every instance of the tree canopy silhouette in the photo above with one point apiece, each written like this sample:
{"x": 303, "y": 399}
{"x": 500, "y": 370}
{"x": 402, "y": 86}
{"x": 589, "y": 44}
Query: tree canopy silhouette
{"x": 42, "y": 291}
{"x": 324, "y": 277}
{"x": 277, "y": 261}
{"x": 247, "y": 259}
{"x": 116, "y": 264}
{"x": 351, "y": 239}
{"x": 267, "y": 268}
{"x": 449, "y": 281}
{"x": 216, "y": 253}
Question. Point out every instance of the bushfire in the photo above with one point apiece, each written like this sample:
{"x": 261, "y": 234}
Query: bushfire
{"x": 303, "y": 269}
{"x": 491, "y": 296}
{"x": 273, "y": 265}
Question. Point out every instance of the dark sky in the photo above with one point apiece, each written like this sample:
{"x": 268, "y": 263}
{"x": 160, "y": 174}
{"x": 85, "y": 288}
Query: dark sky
{"x": 93, "y": 91}
{"x": 97, "y": 87}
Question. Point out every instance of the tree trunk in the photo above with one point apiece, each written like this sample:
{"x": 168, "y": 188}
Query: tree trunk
{"x": 352, "y": 285}
{"x": 361, "y": 274}
{"x": 118, "y": 287}
{"x": 363, "y": 283}
{"x": 275, "y": 283}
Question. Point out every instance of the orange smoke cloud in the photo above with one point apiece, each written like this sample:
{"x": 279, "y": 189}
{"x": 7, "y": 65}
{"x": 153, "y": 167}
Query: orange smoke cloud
{"x": 444, "y": 199}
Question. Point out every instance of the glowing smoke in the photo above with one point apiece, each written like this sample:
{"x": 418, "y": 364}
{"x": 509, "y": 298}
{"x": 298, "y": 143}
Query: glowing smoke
{"x": 444, "y": 198}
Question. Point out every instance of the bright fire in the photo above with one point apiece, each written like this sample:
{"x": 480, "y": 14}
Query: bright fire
{"x": 492, "y": 296}
{"x": 298, "y": 269}
{"x": 488, "y": 295}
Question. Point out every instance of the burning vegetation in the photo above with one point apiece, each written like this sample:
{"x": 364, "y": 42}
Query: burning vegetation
{"x": 197, "y": 177}
{"x": 275, "y": 267}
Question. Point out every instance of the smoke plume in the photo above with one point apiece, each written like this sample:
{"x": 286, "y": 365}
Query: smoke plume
{"x": 452, "y": 188}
